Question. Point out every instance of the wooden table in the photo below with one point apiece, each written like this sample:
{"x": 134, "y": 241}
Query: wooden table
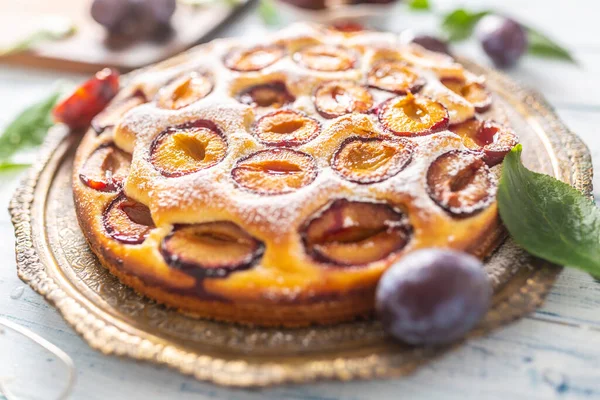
{"x": 554, "y": 353}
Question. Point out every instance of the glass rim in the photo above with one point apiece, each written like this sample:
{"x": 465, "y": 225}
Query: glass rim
{"x": 48, "y": 346}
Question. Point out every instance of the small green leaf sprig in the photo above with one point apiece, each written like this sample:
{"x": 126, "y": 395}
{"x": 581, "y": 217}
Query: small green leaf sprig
{"x": 28, "y": 129}
{"x": 54, "y": 30}
{"x": 419, "y": 5}
{"x": 459, "y": 25}
{"x": 267, "y": 10}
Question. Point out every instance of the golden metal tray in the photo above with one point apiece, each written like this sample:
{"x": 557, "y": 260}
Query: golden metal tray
{"x": 53, "y": 257}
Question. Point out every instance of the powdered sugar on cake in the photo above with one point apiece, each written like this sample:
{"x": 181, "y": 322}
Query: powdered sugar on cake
{"x": 212, "y": 195}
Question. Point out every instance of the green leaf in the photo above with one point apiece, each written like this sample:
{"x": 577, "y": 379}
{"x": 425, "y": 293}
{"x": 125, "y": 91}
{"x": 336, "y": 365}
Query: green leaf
{"x": 459, "y": 24}
{"x": 9, "y": 166}
{"x": 29, "y": 128}
{"x": 55, "y": 30}
{"x": 549, "y": 218}
{"x": 420, "y": 5}
{"x": 268, "y": 12}
{"x": 542, "y": 46}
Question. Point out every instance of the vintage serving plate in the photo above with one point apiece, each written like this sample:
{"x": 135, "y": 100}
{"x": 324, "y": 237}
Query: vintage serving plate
{"x": 54, "y": 259}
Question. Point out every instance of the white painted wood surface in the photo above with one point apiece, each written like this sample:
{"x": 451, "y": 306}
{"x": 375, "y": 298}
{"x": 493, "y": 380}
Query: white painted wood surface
{"x": 553, "y": 354}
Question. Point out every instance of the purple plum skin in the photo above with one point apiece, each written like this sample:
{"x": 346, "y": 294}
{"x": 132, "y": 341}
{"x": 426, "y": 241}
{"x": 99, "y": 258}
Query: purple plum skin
{"x": 432, "y": 43}
{"x": 109, "y": 13}
{"x": 135, "y": 18}
{"x": 504, "y": 40}
{"x": 433, "y": 296}
{"x": 162, "y": 10}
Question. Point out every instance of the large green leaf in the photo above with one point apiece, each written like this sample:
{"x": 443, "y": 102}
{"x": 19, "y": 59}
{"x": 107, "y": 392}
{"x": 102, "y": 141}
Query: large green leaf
{"x": 549, "y": 218}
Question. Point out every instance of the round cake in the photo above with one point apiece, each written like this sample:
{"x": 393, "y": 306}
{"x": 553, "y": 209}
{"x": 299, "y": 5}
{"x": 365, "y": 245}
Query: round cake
{"x": 273, "y": 182}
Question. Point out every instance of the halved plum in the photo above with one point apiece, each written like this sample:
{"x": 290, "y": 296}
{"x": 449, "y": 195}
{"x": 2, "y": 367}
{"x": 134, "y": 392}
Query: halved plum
{"x": 346, "y": 27}
{"x": 110, "y": 116}
{"x": 474, "y": 92}
{"x": 460, "y": 182}
{"x": 394, "y": 76}
{"x": 88, "y": 100}
{"x": 188, "y": 148}
{"x": 253, "y": 59}
{"x": 275, "y": 171}
{"x": 272, "y": 94}
{"x": 211, "y": 250}
{"x": 127, "y": 221}
{"x": 353, "y": 233}
{"x": 413, "y": 115}
{"x": 493, "y": 139}
{"x": 286, "y": 128}
{"x": 185, "y": 90}
{"x": 106, "y": 168}
{"x": 371, "y": 160}
{"x": 335, "y": 98}
{"x": 324, "y": 57}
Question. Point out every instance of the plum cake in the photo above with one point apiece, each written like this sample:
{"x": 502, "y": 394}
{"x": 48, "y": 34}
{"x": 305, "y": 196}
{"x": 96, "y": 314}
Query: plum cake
{"x": 273, "y": 182}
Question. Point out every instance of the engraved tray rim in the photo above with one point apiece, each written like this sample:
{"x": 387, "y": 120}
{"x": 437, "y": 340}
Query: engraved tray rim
{"x": 109, "y": 338}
